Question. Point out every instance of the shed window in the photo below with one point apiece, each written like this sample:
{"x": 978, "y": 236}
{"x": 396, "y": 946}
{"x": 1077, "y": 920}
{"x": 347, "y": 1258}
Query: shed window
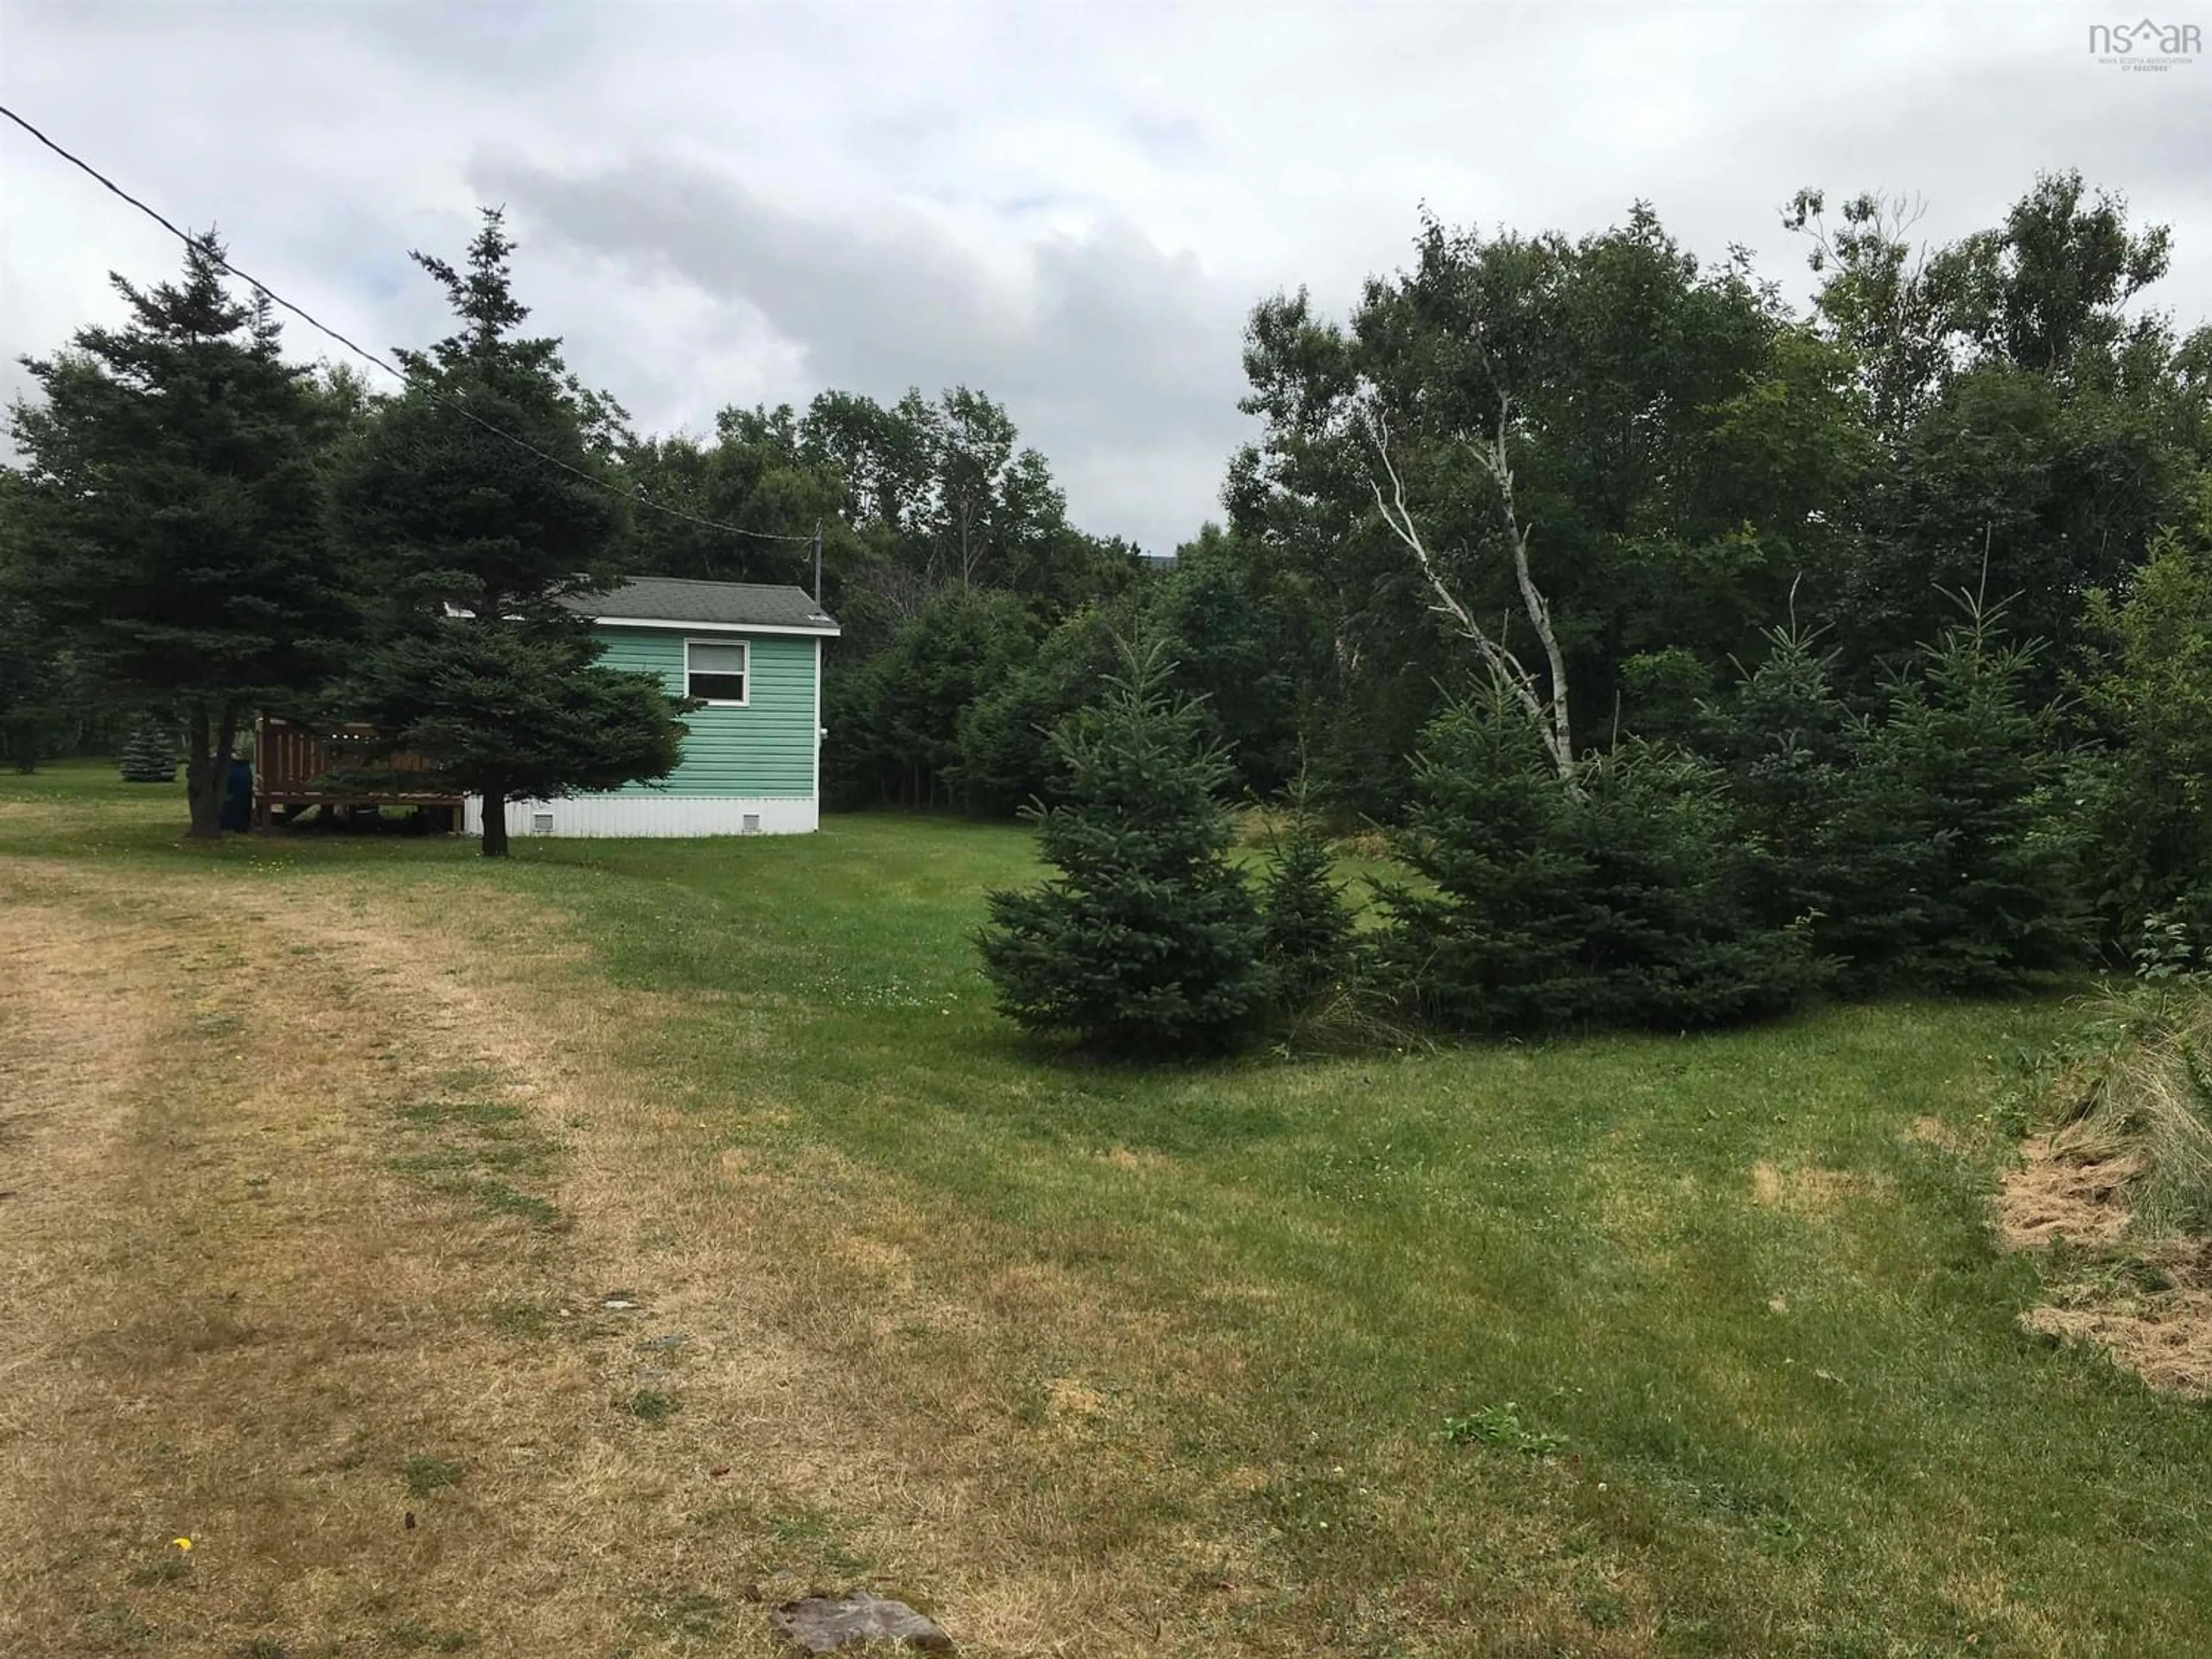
{"x": 714, "y": 670}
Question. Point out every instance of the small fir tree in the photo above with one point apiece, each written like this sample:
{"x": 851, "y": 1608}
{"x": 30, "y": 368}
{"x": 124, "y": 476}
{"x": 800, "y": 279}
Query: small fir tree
{"x": 1488, "y": 945}
{"x": 1669, "y": 935}
{"x": 1785, "y": 743}
{"x": 1305, "y": 926}
{"x": 1621, "y": 901}
{"x": 1957, "y": 869}
{"x": 1146, "y": 941}
{"x": 2148, "y": 795}
{"x": 149, "y": 752}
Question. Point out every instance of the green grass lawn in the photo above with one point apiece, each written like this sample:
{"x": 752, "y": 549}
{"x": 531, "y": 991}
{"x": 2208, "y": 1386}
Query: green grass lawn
{"x": 1742, "y": 1286}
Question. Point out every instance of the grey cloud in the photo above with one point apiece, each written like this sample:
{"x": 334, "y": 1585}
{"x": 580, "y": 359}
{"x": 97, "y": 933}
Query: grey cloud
{"x": 1960, "y": 120}
{"x": 733, "y": 203}
{"x": 1101, "y": 345}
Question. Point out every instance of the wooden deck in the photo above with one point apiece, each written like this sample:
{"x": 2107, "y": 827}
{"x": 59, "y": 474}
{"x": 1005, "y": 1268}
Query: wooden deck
{"x": 293, "y": 765}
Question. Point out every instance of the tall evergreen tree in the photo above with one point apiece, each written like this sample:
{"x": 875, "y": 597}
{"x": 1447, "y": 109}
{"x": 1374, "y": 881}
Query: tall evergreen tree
{"x": 174, "y": 514}
{"x": 483, "y": 667}
{"x": 1955, "y": 862}
{"x": 1146, "y": 941}
{"x": 2150, "y": 693}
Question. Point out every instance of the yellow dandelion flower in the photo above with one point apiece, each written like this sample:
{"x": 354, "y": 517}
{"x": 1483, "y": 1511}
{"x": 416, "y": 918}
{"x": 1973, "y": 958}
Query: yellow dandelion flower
{"x": 182, "y": 1543}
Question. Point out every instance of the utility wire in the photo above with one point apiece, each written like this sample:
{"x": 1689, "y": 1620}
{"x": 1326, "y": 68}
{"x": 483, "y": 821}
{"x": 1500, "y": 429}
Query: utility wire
{"x": 275, "y": 298}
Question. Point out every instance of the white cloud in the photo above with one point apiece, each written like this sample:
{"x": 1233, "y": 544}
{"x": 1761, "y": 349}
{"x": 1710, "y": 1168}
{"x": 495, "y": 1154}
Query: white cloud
{"x": 1071, "y": 208}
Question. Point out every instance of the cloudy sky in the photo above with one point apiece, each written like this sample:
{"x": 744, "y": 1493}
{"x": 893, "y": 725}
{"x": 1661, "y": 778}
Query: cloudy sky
{"x": 1071, "y": 206}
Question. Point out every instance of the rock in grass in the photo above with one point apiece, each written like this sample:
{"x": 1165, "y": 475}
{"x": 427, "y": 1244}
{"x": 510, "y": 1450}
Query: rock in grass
{"x": 823, "y": 1623}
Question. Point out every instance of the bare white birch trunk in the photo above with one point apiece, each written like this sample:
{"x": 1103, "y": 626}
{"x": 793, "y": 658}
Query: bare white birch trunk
{"x": 1546, "y": 704}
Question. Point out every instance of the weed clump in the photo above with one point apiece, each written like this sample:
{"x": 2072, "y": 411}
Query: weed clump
{"x": 1500, "y": 1425}
{"x": 651, "y": 1406}
{"x": 425, "y": 1475}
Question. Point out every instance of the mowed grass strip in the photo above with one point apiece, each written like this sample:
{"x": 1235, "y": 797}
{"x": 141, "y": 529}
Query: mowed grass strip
{"x": 1729, "y": 1305}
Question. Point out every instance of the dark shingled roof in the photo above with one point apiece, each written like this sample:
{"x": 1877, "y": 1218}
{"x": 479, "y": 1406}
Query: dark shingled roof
{"x": 670, "y": 599}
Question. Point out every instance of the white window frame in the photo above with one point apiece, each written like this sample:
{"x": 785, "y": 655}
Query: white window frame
{"x": 745, "y": 646}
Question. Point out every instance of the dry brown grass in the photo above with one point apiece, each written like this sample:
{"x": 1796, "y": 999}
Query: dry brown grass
{"x": 1933, "y": 1132}
{"x": 2164, "y": 1337}
{"x": 2119, "y": 1186}
{"x": 2145, "y": 1301}
{"x": 240, "y": 1322}
{"x": 2057, "y": 1195}
{"x": 1809, "y": 1187}
{"x": 232, "y": 1323}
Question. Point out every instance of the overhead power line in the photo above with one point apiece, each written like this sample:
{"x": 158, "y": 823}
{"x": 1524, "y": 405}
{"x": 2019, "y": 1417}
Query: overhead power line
{"x": 270, "y": 293}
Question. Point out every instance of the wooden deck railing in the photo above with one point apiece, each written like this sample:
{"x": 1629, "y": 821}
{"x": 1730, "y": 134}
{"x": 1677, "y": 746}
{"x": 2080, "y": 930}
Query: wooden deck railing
{"x": 293, "y": 766}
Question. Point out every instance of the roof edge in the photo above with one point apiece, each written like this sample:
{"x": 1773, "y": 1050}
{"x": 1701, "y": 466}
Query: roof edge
{"x": 828, "y": 630}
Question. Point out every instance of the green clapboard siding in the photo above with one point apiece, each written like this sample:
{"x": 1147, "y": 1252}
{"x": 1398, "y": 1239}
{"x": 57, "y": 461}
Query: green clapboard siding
{"x": 766, "y": 749}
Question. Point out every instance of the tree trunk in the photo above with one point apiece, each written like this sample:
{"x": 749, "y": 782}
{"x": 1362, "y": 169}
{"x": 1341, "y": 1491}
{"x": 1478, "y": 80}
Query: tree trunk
{"x": 205, "y": 773}
{"x": 1546, "y": 705}
{"x": 495, "y": 823}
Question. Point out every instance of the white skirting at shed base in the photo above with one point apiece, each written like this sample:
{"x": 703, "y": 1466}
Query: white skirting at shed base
{"x": 651, "y": 815}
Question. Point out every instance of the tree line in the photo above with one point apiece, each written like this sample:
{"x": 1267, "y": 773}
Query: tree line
{"x": 1858, "y": 644}
{"x": 1695, "y": 656}
{"x": 197, "y": 530}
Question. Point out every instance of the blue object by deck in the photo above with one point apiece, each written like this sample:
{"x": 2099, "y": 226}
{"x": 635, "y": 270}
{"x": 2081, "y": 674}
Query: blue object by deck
{"x": 237, "y": 796}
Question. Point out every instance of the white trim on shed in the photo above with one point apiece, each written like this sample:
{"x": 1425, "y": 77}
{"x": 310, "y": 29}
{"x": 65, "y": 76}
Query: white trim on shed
{"x": 830, "y": 632}
{"x": 589, "y": 816}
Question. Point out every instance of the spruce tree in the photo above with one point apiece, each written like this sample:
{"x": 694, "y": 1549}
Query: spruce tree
{"x": 1623, "y": 901}
{"x": 1305, "y": 926}
{"x": 174, "y": 514}
{"x": 148, "y": 752}
{"x": 1786, "y": 744}
{"x": 481, "y": 669}
{"x": 1488, "y": 944}
{"x": 1959, "y": 865}
{"x": 2148, "y": 794}
{"x": 1145, "y": 941}
{"x": 1670, "y": 937}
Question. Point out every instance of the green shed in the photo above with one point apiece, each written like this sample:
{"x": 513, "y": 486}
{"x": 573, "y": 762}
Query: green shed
{"x": 752, "y": 755}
